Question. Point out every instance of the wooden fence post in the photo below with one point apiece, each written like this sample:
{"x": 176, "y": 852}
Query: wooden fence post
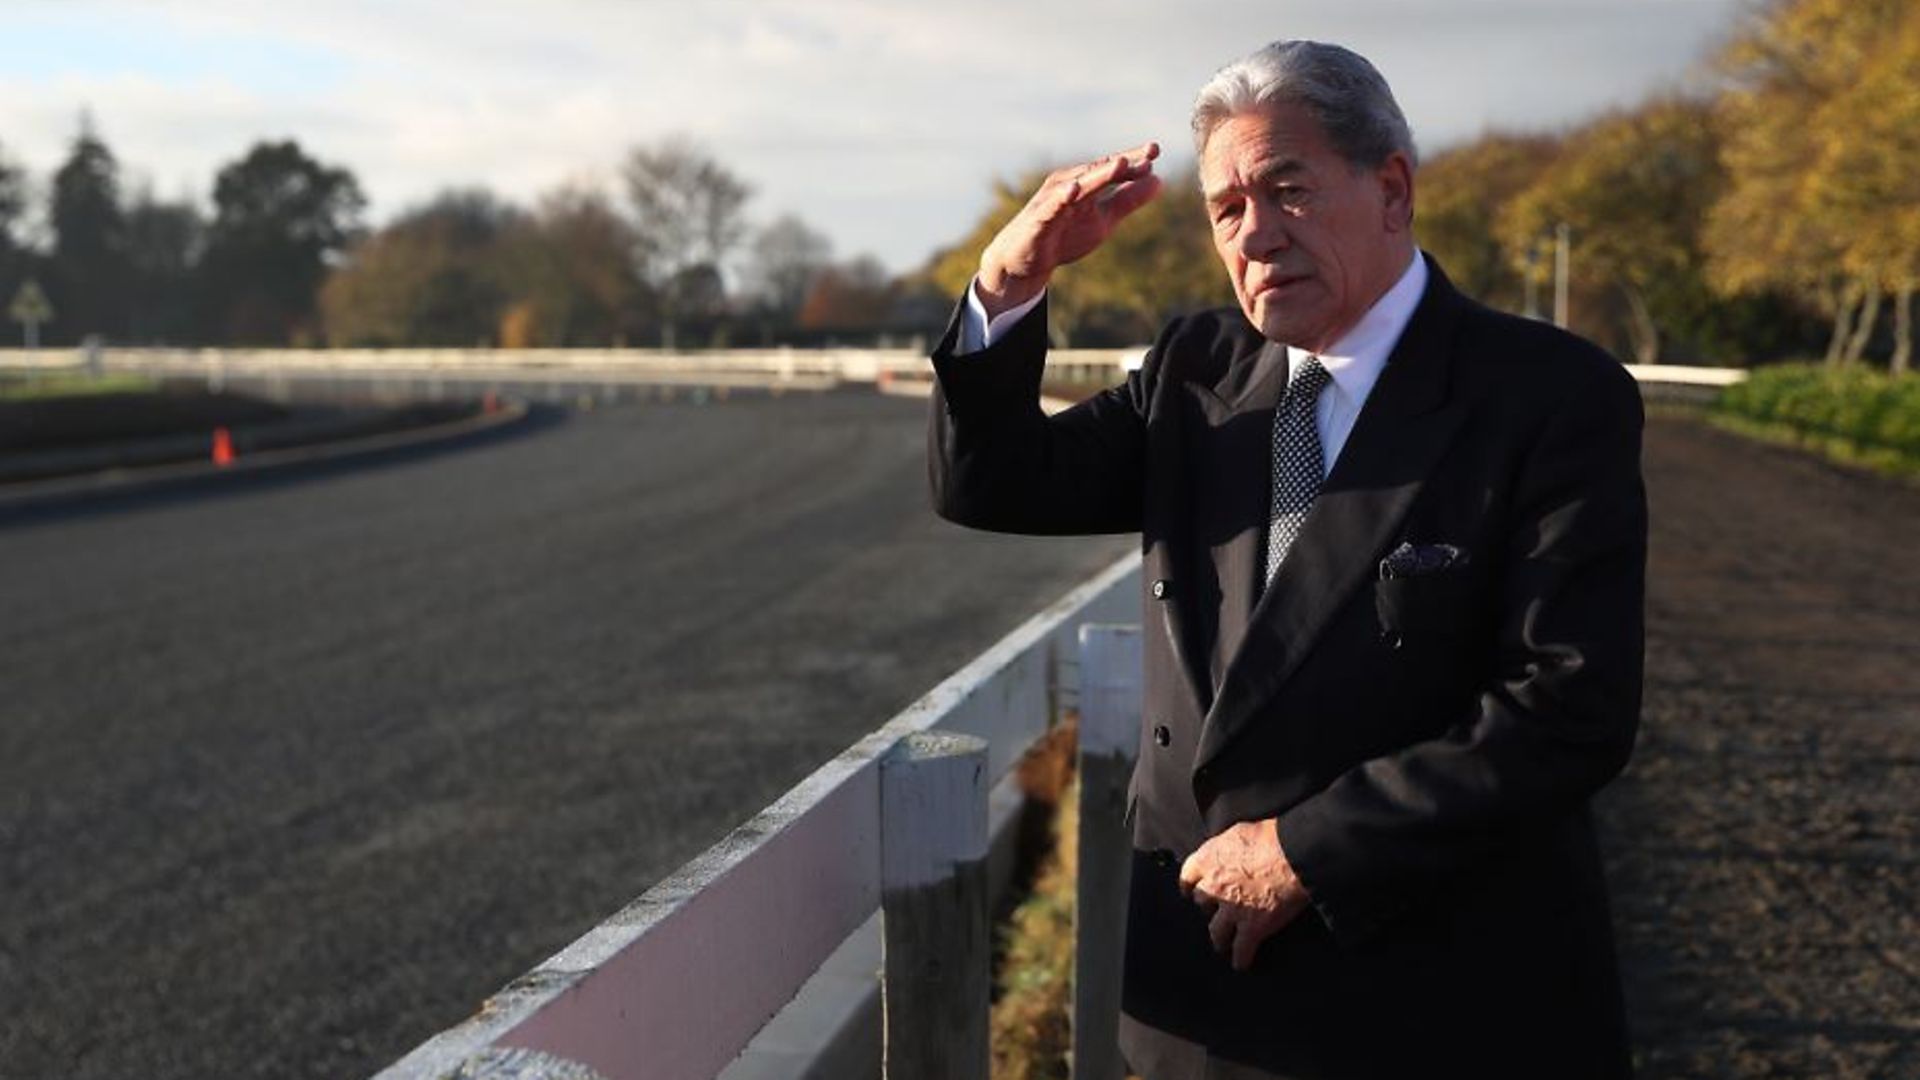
{"x": 1109, "y": 734}
{"x": 933, "y": 882}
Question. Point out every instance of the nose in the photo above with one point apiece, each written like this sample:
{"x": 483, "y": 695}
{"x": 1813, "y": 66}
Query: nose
{"x": 1263, "y": 232}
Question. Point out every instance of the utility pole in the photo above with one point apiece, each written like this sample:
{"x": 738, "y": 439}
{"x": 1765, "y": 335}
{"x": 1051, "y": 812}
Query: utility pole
{"x": 1531, "y": 279}
{"x": 1562, "y": 313}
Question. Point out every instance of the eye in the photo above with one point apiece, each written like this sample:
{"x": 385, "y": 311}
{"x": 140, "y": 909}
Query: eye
{"x": 1225, "y": 213}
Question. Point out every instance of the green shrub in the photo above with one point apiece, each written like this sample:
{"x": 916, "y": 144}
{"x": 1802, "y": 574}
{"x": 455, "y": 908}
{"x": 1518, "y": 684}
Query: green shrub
{"x": 1852, "y": 413}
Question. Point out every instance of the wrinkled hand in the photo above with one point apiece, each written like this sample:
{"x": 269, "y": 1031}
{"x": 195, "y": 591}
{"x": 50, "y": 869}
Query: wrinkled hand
{"x": 1243, "y": 877}
{"x": 1074, "y": 211}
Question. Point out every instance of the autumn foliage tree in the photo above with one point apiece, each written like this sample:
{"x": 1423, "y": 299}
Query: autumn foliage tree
{"x": 1159, "y": 262}
{"x": 468, "y": 269}
{"x": 1819, "y": 115}
{"x": 431, "y": 277}
{"x": 1462, "y": 193}
{"x": 1633, "y": 189}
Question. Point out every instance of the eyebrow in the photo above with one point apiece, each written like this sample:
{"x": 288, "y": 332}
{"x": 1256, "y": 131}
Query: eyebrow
{"x": 1267, "y": 174}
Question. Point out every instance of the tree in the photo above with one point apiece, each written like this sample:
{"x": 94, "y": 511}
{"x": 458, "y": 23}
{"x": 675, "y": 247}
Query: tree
{"x": 164, "y": 244}
{"x": 1778, "y": 225}
{"x": 16, "y": 262}
{"x": 1635, "y": 188}
{"x": 280, "y": 216}
{"x": 571, "y": 274}
{"x": 854, "y": 297}
{"x": 1868, "y": 134}
{"x": 431, "y": 277}
{"x": 787, "y": 255}
{"x": 468, "y": 268}
{"x": 89, "y": 240}
{"x": 688, "y": 212}
{"x": 1158, "y": 262}
{"x": 13, "y": 202}
{"x": 1460, "y": 195}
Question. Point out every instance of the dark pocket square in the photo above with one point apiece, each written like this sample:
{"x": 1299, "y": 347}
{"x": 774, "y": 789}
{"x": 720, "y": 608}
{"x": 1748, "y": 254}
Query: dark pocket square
{"x": 1418, "y": 560}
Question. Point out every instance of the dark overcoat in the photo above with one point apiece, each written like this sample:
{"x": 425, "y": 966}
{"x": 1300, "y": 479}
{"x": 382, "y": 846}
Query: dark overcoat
{"x": 1427, "y": 742}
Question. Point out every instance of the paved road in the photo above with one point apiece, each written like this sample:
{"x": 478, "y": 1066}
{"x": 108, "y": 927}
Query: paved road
{"x": 292, "y": 775}
{"x": 1765, "y": 842}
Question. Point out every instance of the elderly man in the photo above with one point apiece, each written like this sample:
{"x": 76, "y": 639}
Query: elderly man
{"x": 1394, "y": 547}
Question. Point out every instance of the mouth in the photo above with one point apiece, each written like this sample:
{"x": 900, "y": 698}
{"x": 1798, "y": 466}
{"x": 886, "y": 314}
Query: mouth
{"x": 1273, "y": 285}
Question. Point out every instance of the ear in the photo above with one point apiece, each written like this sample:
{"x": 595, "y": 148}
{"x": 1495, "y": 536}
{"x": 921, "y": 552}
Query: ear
{"x": 1395, "y": 176}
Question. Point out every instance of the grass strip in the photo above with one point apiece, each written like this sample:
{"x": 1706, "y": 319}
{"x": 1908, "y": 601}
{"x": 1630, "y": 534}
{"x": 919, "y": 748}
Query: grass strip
{"x": 1030, "y": 1030}
{"x": 61, "y": 384}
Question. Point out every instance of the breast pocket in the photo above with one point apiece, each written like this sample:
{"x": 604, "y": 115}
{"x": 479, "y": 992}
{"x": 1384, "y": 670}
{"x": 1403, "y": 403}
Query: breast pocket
{"x": 1429, "y": 607}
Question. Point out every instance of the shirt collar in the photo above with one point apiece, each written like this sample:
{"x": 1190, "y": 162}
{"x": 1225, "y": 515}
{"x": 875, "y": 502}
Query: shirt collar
{"x": 1356, "y": 360}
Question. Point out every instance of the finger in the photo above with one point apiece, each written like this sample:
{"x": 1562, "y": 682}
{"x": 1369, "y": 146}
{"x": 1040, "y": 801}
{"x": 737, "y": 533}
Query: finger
{"x": 1246, "y": 942}
{"x": 1097, "y": 175}
{"x": 1138, "y": 158}
{"x": 1189, "y": 874}
{"x": 1123, "y": 199}
{"x": 1114, "y": 169}
{"x": 1220, "y": 929}
{"x": 1051, "y": 202}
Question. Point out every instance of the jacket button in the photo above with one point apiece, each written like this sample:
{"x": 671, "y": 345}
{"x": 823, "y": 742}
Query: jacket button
{"x": 1391, "y": 639}
{"x": 1161, "y": 588}
{"x": 1166, "y": 859}
{"x": 1162, "y": 735}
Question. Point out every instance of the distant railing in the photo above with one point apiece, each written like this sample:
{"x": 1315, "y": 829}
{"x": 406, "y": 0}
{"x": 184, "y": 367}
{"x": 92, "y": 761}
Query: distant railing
{"x": 796, "y": 368}
{"x": 676, "y": 985}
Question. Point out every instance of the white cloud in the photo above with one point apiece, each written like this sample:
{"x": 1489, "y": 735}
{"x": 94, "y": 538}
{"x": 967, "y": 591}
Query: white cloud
{"x": 882, "y": 123}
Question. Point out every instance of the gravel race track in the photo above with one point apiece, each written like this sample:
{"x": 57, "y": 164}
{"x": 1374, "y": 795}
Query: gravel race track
{"x": 294, "y": 774}
{"x": 1765, "y": 841}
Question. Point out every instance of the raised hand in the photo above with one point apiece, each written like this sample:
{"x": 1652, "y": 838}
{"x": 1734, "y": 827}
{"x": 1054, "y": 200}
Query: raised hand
{"x": 1073, "y": 213}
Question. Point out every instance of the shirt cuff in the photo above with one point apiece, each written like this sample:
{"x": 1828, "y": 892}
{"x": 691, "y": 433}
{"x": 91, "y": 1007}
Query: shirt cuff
{"x": 977, "y": 332}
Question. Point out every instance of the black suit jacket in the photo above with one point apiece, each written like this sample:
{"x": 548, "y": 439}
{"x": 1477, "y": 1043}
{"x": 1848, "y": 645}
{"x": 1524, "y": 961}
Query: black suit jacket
{"x": 1427, "y": 743}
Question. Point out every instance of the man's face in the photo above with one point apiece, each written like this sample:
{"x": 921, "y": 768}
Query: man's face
{"x": 1309, "y": 241}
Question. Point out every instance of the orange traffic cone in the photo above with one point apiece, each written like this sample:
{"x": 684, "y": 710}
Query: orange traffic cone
{"x": 222, "y": 447}
{"x": 490, "y": 402}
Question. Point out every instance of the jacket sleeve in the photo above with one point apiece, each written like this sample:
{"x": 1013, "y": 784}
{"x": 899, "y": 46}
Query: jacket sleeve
{"x": 1558, "y": 715}
{"x": 997, "y": 461}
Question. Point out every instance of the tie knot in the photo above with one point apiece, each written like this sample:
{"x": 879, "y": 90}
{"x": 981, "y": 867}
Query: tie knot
{"x": 1309, "y": 380}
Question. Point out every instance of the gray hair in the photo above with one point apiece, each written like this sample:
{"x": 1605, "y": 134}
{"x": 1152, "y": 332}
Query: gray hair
{"x": 1337, "y": 86}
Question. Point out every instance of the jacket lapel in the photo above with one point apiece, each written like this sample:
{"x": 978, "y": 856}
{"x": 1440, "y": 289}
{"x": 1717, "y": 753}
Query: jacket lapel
{"x": 1227, "y": 512}
{"x": 1403, "y": 429}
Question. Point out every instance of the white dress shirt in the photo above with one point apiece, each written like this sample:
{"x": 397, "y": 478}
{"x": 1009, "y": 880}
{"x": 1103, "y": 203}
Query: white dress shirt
{"x": 1355, "y": 361}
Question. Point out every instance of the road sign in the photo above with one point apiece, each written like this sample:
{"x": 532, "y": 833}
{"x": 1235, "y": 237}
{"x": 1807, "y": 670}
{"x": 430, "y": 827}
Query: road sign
{"x": 30, "y": 308}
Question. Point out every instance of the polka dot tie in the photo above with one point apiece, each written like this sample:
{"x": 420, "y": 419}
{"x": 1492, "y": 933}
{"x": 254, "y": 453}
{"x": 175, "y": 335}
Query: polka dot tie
{"x": 1298, "y": 466}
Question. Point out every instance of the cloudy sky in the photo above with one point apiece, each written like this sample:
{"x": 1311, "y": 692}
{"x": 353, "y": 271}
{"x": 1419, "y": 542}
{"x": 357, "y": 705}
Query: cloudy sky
{"x": 881, "y": 123}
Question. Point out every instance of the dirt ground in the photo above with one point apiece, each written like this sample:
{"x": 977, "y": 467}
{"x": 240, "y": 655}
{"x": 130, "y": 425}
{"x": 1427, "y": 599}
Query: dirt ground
{"x": 1765, "y": 842}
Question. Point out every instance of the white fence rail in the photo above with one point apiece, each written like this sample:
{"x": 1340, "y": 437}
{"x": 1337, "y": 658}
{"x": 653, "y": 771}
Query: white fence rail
{"x": 798, "y": 368}
{"x": 674, "y": 986}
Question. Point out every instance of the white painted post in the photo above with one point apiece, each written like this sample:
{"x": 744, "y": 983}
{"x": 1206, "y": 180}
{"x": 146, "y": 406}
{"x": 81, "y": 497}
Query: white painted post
{"x": 933, "y": 881}
{"x": 1109, "y": 733}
